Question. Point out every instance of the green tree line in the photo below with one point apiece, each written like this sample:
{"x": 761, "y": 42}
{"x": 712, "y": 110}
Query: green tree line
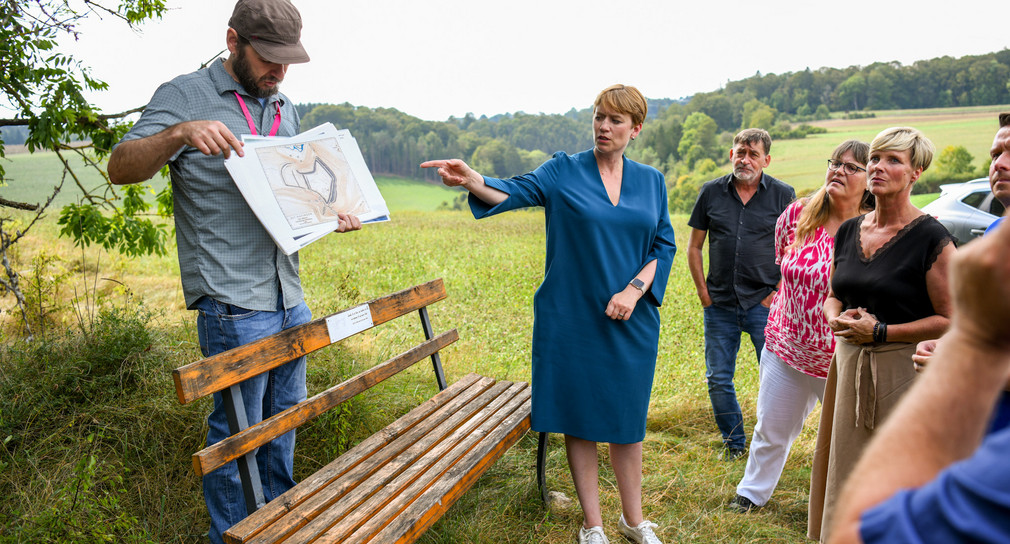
{"x": 973, "y": 80}
{"x": 394, "y": 143}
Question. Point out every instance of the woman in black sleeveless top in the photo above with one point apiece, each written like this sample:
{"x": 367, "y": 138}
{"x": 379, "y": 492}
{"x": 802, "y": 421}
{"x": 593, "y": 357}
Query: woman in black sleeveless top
{"x": 888, "y": 292}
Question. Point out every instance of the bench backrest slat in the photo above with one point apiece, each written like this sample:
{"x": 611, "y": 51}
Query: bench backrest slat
{"x": 202, "y": 378}
{"x": 253, "y": 437}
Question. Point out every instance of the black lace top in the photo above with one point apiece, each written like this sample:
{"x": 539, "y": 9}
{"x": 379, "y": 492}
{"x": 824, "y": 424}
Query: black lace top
{"x": 891, "y": 284}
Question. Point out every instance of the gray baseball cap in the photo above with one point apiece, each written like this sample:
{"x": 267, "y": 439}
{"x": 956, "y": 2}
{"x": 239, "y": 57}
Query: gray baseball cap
{"x": 273, "y": 28}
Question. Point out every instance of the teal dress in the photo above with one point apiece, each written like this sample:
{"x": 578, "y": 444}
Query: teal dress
{"x": 592, "y": 376}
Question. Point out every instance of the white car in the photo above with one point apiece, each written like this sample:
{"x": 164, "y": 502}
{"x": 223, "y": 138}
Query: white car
{"x": 965, "y": 209}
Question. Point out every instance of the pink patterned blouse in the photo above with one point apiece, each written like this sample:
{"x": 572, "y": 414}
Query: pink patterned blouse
{"x": 797, "y": 330}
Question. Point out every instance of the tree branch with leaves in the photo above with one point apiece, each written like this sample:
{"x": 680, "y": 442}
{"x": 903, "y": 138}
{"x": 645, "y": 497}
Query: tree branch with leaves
{"x": 44, "y": 89}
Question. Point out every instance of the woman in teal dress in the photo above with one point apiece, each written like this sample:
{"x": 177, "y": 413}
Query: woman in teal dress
{"x": 610, "y": 246}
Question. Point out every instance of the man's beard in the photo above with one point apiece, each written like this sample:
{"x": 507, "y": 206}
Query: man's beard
{"x": 243, "y": 72}
{"x": 744, "y": 174}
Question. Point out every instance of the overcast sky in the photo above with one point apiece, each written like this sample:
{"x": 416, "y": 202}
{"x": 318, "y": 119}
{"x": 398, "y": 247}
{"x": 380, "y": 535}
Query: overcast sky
{"x": 433, "y": 59}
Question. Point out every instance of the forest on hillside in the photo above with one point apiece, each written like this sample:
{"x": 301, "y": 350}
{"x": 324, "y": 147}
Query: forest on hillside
{"x": 686, "y": 140}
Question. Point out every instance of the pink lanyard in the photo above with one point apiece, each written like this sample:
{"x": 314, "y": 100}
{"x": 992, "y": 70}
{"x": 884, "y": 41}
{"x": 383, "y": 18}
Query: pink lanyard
{"x": 249, "y": 119}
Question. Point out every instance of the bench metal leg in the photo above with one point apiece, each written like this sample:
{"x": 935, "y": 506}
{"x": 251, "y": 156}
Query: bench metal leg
{"x": 248, "y": 470}
{"x": 436, "y": 361}
{"x": 542, "y": 466}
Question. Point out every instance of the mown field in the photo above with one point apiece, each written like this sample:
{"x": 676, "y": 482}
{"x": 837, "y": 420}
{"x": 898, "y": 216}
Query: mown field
{"x": 57, "y": 413}
{"x": 801, "y": 163}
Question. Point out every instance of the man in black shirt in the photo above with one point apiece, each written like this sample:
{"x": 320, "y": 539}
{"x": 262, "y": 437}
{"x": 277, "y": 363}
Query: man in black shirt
{"x": 737, "y": 212}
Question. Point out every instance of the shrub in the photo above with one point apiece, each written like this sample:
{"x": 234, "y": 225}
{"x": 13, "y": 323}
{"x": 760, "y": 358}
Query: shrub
{"x": 86, "y": 508}
{"x": 785, "y": 131}
{"x": 63, "y": 477}
{"x": 954, "y": 160}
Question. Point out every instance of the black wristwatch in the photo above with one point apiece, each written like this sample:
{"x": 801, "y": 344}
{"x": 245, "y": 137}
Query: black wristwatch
{"x": 638, "y": 284}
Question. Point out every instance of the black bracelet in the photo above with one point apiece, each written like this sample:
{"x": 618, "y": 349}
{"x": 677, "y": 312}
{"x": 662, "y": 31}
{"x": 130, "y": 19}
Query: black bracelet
{"x": 880, "y": 332}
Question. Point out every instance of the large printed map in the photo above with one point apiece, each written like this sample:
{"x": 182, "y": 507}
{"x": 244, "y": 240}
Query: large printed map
{"x": 312, "y": 182}
{"x": 296, "y": 186}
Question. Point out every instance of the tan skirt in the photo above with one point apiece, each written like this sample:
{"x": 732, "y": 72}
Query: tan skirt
{"x": 865, "y": 383}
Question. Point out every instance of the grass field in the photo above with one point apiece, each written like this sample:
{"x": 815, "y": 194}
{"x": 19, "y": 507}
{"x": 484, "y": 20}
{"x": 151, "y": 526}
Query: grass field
{"x": 411, "y": 195}
{"x": 32, "y": 176}
{"x": 138, "y": 432}
{"x": 921, "y": 200}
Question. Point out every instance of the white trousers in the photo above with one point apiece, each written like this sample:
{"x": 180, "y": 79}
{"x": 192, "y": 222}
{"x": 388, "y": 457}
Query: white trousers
{"x": 785, "y": 398}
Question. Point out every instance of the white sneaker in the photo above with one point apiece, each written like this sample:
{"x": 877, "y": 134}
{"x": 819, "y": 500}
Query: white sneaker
{"x": 592, "y": 535}
{"x": 643, "y": 534}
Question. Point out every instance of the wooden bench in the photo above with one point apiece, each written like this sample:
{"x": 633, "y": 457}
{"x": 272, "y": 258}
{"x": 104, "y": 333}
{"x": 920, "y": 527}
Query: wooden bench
{"x": 396, "y": 483}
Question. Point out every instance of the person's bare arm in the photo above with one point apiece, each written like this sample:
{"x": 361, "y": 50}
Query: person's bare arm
{"x": 139, "y": 160}
{"x": 695, "y": 264}
{"x": 943, "y": 417}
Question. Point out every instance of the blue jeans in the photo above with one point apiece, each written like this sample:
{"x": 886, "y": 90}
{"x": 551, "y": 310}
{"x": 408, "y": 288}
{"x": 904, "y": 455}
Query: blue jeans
{"x": 723, "y": 326}
{"x": 222, "y": 327}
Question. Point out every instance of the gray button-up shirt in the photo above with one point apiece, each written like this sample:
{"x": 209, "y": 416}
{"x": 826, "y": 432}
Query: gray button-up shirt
{"x": 741, "y": 251}
{"x": 224, "y": 251}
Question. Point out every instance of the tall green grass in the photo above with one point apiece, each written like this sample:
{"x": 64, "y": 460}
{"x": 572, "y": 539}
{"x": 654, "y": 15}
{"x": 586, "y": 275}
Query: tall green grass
{"x": 491, "y": 268}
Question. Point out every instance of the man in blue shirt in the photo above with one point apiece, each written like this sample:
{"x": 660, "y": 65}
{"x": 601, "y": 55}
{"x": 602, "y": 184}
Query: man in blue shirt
{"x": 928, "y": 475}
{"x": 737, "y": 213}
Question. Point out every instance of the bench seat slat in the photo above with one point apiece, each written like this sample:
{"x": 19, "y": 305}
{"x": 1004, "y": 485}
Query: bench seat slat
{"x": 207, "y": 376}
{"x": 253, "y": 437}
{"x": 411, "y": 523}
{"x": 470, "y": 454}
{"x": 343, "y": 495}
{"x": 419, "y": 464}
{"x": 398, "y": 433}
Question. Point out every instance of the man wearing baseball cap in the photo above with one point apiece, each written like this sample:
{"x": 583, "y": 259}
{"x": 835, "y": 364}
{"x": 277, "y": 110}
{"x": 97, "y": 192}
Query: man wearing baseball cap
{"x": 242, "y": 286}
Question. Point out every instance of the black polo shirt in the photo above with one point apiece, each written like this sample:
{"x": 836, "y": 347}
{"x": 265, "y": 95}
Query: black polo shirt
{"x": 741, "y": 253}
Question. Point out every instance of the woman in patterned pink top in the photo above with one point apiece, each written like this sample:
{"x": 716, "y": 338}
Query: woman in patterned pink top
{"x": 798, "y": 341}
